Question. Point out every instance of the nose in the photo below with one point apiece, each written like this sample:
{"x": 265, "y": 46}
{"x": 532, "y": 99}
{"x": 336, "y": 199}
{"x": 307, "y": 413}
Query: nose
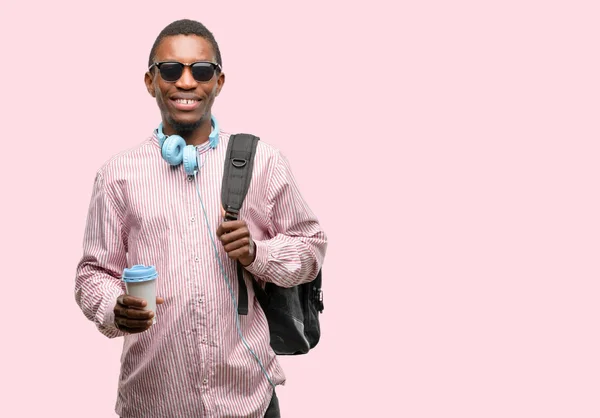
{"x": 186, "y": 81}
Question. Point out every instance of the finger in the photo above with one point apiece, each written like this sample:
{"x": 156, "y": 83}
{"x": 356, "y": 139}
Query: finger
{"x": 133, "y": 323}
{"x": 123, "y": 311}
{"x": 131, "y": 330}
{"x": 229, "y": 226}
{"x": 235, "y": 235}
{"x": 241, "y": 252}
{"x": 220, "y": 231}
{"x": 133, "y": 313}
{"x": 242, "y": 242}
{"x": 160, "y": 300}
{"x": 134, "y": 302}
{"x": 224, "y": 228}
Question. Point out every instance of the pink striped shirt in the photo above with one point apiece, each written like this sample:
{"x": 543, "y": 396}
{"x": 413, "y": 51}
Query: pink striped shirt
{"x": 192, "y": 362}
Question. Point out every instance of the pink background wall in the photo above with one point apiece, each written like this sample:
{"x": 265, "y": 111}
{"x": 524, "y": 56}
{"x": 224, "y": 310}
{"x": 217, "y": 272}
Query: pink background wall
{"x": 450, "y": 150}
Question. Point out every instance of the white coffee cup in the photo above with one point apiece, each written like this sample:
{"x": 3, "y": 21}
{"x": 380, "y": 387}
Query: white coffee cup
{"x": 140, "y": 281}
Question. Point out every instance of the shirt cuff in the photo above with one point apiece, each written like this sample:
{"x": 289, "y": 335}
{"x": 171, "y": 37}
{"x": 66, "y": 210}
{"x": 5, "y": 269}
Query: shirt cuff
{"x": 259, "y": 266}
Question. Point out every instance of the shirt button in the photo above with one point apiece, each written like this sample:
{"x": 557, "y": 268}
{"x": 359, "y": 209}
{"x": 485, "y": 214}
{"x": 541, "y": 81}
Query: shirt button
{"x": 204, "y": 339}
{"x": 196, "y": 259}
{"x": 193, "y": 219}
{"x": 205, "y": 381}
{"x": 190, "y": 178}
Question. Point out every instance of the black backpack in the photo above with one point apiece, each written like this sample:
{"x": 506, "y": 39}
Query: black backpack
{"x": 292, "y": 313}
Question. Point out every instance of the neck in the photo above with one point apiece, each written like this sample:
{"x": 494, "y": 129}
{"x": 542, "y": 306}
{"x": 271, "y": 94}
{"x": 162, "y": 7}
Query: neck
{"x": 195, "y": 134}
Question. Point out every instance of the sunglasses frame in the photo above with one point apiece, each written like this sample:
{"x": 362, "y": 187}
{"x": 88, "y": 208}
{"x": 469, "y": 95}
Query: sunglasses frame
{"x": 216, "y": 66}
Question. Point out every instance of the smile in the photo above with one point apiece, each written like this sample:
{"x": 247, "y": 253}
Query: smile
{"x": 186, "y": 101}
{"x": 185, "y": 104}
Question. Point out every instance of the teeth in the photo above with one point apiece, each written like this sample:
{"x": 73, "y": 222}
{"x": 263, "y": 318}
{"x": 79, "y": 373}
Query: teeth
{"x": 185, "y": 101}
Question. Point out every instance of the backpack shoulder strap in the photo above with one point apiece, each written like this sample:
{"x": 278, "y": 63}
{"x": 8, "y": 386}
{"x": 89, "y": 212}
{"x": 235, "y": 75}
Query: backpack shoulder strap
{"x": 237, "y": 173}
{"x": 239, "y": 161}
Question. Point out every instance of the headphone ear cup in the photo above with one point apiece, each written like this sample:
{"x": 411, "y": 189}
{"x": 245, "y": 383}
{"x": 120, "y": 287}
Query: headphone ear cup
{"x": 172, "y": 149}
{"x": 214, "y": 133}
{"x": 190, "y": 159}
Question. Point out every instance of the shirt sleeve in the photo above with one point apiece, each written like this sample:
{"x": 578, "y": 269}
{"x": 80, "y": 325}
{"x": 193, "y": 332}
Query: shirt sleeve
{"x": 98, "y": 276}
{"x": 294, "y": 254}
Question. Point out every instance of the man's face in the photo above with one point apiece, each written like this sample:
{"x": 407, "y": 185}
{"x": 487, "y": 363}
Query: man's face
{"x": 184, "y": 104}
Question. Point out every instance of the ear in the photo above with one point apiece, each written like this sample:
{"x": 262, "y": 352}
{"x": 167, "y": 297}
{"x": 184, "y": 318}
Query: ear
{"x": 220, "y": 82}
{"x": 148, "y": 79}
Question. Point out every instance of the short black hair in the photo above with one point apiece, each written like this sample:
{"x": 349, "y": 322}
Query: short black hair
{"x": 186, "y": 27}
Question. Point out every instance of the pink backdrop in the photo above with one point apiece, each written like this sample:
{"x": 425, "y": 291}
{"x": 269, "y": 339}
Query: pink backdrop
{"x": 450, "y": 150}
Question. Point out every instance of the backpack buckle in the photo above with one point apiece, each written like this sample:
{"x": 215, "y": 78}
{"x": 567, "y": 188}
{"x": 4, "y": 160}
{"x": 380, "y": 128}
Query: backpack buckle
{"x": 319, "y": 300}
{"x": 231, "y": 214}
{"x": 238, "y": 162}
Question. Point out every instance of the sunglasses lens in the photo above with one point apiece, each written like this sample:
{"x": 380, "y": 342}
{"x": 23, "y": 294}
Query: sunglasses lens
{"x": 203, "y": 71}
{"x": 171, "y": 71}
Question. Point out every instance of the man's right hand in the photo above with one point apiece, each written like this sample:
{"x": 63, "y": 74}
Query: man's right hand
{"x": 130, "y": 315}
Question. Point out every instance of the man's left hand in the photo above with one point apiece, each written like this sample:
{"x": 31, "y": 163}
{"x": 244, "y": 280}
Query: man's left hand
{"x": 237, "y": 241}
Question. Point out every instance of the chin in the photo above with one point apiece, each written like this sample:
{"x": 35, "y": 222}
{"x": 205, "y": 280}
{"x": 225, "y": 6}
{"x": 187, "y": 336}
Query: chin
{"x": 184, "y": 125}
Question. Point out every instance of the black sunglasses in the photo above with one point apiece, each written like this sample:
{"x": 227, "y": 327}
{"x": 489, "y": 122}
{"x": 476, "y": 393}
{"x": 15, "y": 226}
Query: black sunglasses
{"x": 202, "y": 71}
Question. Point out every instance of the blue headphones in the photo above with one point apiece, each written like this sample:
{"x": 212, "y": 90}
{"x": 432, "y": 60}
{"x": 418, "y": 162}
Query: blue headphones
{"x": 175, "y": 150}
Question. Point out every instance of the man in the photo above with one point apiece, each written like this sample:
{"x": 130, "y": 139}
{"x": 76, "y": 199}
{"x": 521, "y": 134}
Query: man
{"x": 200, "y": 359}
